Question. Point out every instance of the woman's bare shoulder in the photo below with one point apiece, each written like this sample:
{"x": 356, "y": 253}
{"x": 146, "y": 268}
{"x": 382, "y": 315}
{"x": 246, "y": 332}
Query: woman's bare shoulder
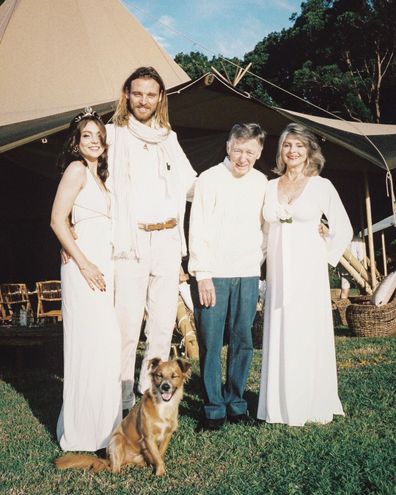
{"x": 75, "y": 172}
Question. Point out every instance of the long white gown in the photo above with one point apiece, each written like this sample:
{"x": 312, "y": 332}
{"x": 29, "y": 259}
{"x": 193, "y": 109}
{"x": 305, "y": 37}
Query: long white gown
{"x": 92, "y": 344}
{"x": 298, "y": 375}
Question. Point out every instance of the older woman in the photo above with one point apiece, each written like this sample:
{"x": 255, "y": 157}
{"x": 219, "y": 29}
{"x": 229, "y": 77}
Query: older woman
{"x": 298, "y": 377}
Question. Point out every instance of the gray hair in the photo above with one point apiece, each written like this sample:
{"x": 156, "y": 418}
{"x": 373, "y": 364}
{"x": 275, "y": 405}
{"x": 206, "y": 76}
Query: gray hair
{"x": 315, "y": 159}
{"x": 247, "y": 131}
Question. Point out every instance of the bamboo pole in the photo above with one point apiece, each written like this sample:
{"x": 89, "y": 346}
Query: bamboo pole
{"x": 241, "y": 74}
{"x": 237, "y": 74}
{"x": 226, "y": 73}
{"x": 356, "y": 275}
{"x": 370, "y": 232}
{"x": 384, "y": 253}
{"x": 357, "y": 265}
{"x": 377, "y": 273}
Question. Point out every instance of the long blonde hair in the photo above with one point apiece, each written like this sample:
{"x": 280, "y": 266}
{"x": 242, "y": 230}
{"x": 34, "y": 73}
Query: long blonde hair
{"x": 315, "y": 159}
{"x": 123, "y": 109}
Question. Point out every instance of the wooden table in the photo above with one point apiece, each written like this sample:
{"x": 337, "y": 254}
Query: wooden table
{"x": 22, "y": 337}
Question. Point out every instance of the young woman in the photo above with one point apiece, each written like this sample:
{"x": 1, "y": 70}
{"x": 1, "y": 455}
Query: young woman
{"x": 298, "y": 377}
{"x": 92, "y": 387}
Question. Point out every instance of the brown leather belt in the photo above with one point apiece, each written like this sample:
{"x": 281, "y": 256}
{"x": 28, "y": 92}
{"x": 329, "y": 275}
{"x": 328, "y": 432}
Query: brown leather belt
{"x": 149, "y": 227}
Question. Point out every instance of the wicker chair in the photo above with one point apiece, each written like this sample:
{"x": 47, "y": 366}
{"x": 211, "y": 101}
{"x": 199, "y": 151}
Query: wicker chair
{"x": 14, "y": 297}
{"x": 48, "y": 292}
{"x": 4, "y": 315}
{"x": 367, "y": 320}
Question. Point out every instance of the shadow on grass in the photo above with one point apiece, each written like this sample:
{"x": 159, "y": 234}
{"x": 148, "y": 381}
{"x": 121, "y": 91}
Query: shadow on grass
{"x": 343, "y": 331}
{"x": 39, "y": 381}
{"x": 193, "y": 399}
{"x": 252, "y": 400}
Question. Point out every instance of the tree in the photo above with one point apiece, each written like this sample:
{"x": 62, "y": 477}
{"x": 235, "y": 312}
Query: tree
{"x": 339, "y": 54}
{"x": 195, "y": 64}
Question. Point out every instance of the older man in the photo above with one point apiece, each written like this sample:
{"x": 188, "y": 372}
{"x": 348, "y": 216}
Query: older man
{"x": 226, "y": 242}
{"x": 150, "y": 177}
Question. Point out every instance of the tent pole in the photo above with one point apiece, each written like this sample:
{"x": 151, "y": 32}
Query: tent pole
{"x": 384, "y": 253}
{"x": 370, "y": 232}
{"x": 365, "y": 264}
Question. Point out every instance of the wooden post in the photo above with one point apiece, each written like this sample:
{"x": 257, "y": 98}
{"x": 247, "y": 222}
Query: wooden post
{"x": 241, "y": 74}
{"x": 362, "y": 224}
{"x": 370, "y": 232}
{"x": 384, "y": 253}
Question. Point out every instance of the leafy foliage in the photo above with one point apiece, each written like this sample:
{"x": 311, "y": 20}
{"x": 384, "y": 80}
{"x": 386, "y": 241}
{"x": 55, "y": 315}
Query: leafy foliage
{"x": 339, "y": 54}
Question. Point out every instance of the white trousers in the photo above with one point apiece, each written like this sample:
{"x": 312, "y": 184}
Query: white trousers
{"x": 150, "y": 282}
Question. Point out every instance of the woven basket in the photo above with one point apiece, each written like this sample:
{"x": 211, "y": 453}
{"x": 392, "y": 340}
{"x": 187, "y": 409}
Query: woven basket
{"x": 335, "y": 293}
{"x": 367, "y": 320}
{"x": 339, "y": 311}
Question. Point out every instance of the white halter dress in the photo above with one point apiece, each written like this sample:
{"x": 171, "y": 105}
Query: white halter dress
{"x": 92, "y": 346}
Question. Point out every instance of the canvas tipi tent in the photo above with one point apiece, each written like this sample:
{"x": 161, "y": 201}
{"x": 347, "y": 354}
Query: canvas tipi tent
{"x": 58, "y": 56}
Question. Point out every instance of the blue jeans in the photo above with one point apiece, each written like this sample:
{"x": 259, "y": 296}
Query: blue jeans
{"x": 236, "y": 300}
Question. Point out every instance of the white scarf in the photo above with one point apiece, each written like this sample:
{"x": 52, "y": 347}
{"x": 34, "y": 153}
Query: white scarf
{"x": 125, "y": 221}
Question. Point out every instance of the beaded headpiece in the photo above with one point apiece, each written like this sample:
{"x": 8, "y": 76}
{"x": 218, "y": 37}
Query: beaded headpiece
{"x": 88, "y": 112}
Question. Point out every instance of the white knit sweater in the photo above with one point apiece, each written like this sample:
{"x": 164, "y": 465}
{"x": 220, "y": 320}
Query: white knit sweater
{"x": 226, "y": 224}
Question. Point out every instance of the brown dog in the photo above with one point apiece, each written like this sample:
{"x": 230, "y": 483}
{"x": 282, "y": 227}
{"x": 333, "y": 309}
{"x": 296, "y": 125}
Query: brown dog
{"x": 143, "y": 436}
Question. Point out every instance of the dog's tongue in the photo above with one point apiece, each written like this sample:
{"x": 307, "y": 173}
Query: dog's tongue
{"x": 166, "y": 395}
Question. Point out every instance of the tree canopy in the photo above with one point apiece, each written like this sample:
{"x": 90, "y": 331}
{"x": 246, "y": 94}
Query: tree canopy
{"x": 338, "y": 54}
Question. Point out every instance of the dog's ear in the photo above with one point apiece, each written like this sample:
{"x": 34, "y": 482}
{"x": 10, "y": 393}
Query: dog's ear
{"x": 153, "y": 363}
{"x": 185, "y": 366}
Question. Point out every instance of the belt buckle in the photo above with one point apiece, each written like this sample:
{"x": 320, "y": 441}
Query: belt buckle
{"x": 157, "y": 226}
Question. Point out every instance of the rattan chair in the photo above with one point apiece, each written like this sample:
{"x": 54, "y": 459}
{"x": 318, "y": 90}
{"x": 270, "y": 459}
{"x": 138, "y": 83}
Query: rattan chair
{"x": 48, "y": 293}
{"x": 367, "y": 320}
{"x": 14, "y": 297}
{"x": 4, "y": 315}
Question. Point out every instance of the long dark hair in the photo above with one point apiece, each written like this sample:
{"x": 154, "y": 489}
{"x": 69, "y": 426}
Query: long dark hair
{"x": 71, "y": 151}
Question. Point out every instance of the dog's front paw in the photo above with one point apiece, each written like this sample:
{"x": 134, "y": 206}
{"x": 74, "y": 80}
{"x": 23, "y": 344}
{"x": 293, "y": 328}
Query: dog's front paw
{"x": 160, "y": 471}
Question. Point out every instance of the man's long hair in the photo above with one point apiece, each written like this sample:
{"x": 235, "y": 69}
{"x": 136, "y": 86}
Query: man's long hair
{"x": 123, "y": 109}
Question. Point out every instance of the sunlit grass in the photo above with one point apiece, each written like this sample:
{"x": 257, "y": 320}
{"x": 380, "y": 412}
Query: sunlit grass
{"x": 355, "y": 454}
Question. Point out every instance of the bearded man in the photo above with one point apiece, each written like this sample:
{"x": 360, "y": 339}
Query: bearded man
{"x": 151, "y": 178}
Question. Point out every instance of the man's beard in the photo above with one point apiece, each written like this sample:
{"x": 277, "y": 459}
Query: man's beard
{"x": 143, "y": 118}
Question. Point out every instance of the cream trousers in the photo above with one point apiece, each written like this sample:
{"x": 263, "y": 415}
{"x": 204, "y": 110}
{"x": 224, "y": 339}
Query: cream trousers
{"x": 150, "y": 283}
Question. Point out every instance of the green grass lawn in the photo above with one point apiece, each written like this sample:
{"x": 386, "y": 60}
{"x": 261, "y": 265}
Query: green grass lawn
{"x": 352, "y": 455}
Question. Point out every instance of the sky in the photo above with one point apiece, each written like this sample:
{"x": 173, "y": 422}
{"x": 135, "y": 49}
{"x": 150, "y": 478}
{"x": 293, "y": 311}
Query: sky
{"x": 214, "y": 27}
